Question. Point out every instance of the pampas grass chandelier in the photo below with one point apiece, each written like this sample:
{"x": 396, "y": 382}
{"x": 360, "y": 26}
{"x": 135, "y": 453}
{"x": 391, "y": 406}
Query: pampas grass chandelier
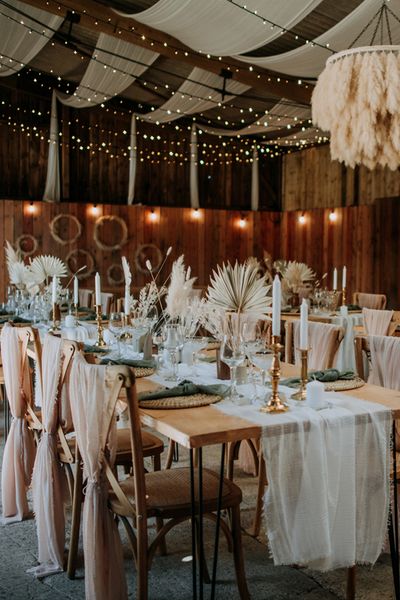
{"x": 357, "y": 99}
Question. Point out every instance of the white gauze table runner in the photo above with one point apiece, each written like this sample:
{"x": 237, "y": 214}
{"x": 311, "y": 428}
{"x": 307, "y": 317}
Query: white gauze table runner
{"x": 327, "y": 499}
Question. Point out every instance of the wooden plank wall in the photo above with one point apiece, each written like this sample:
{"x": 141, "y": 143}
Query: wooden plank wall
{"x": 310, "y": 179}
{"x": 364, "y": 238}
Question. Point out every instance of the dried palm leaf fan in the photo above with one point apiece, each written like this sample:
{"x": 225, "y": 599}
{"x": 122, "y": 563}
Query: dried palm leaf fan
{"x": 357, "y": 99}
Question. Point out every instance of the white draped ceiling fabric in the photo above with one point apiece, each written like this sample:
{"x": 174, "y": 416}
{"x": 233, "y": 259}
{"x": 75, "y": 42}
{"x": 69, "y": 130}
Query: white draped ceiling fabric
{"x": 19, "y": 44}
{"x": 124, "y": 62}
{"x": 309, "y": 60}
{"x": 223, "y": 28}
{"x": 201, "y": 91}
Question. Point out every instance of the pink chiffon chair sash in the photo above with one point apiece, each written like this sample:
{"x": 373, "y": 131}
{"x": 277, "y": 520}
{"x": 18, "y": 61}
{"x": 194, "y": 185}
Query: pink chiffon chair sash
{"x": 48, "y": 480}
{"x": 385, "y": 361}
{"x": 93, "y": 404}
{"x": 19, "y": 451}
{"x": 377, "y": 322}
{"x": 322, "y": 339}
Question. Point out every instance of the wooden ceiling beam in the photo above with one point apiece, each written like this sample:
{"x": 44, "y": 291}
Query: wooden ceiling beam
{"x": 100, "y": 18}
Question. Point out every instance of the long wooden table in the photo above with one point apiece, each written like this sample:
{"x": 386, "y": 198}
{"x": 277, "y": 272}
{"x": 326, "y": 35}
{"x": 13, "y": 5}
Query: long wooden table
{"x": 194, "y": 428}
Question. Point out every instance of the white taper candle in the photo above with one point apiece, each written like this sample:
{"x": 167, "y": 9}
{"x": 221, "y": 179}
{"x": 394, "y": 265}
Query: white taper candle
{"x": 76, "y": 291}
{"x": 304, "y": 325}
{"x": 97, "y": 289}
{"x": 344, "y": 277}
{"x": 335, "y": 279}
{"x": 127, "y": 301}
{"x": 54, "y": 290}
{"x": 276, "y": 306}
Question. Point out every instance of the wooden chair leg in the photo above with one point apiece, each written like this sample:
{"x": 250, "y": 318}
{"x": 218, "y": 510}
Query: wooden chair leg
{"x": 75, "y": 521}
{"x": 142, "y": 560}
{"x": 262, "y": 480}
{"x": 170, "y": 454}
{"x": 159, "y": 521}
{"x": 238, "y": 554}
{"x": 351, "y": 583}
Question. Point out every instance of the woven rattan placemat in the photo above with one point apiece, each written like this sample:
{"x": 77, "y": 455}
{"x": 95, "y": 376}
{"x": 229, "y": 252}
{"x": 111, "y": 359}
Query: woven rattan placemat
{"x": 181, "y": 401}
{"x": 342, "y": 385}
{"x": 143, "y": 371}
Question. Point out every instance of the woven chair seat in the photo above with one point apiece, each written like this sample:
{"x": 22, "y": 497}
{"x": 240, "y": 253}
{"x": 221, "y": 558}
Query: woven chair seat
{"x": 168, "y": 493}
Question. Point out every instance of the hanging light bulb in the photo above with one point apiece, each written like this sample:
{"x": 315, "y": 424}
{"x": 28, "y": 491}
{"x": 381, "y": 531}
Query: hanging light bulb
{"x": 302, "y": 219}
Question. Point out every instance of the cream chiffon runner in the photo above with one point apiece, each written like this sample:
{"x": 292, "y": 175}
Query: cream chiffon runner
{"x": 93, "y": 404}
{"x": 48, "y": 480}
{"x": 19, "y": 451}
{"x": 327, "y": 499}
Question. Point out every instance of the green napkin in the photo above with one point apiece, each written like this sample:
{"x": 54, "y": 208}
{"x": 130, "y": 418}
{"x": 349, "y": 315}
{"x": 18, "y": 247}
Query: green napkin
{"x": 354, "y": 307}
{"x": 4, "y": 311}
{"x": 139, "y": 363}
{"x": 186, "y": 388}
{"x": 14, "y": 320}
{"x": 325, "y": 376}
{"x": 94, "y": 349}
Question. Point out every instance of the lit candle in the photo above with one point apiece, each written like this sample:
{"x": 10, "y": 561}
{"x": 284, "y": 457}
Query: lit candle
{"x": 304, "y": 325}
{"x": 54, "y": 291}
{"x": 335, "y": 279}
{"x": 344, "y": 275}
{"x": 97, "y": 289}
{"x": 76, "y": 291}
{"x": 127, "y": 301}
{"x": 276, "y": 306}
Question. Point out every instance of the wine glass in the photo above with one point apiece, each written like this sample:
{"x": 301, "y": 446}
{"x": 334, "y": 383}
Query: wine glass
{"x": 173, "y": 343}
{"x": 115, "y": 325}
{"x": 196, "y": 344}
{"x": 158, "y": 340}
{"x": 233, "y": 354}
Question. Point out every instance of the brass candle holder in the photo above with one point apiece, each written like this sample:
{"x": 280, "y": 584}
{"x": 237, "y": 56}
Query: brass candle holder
{"x": 344, "y": 296}
{"x": 100, "y": 340}
{"x": 301, "y": 392}
{"x": 76, "y": 312}
{"x": 55, "y": 319}
{"x": 275, "y": 404}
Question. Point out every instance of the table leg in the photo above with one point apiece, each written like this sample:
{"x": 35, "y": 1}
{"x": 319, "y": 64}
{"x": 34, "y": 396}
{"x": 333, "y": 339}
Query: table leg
{"x": 219, "y": 503}
{"x": 193, "y": 502}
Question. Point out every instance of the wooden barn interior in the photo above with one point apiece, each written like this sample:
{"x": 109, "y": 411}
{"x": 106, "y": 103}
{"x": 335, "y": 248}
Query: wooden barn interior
{"x": 219, "y": 130}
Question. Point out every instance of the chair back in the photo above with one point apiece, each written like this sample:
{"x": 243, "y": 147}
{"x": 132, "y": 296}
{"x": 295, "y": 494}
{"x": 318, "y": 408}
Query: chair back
{"x": 364, "y": 300}
{"x": 323, "y": 340}
{"x": 94, "y": 391}
{"x": 85, "y": 297}
{"x": 107, "y": 302}
{"x": 19, "y": 451}
{"x": 377, "y": 322}
{"x": 385, "y": 360}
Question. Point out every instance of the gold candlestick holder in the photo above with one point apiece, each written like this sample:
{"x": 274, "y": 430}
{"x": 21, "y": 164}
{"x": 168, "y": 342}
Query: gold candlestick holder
{"x": 344, "y": 296}
{"x": 301, "y": 392}
{"x": 76, "y": 312}
{"x": 275, "y": 404}
{"x": 100, "y": 340}
{"x": 55, "y": 319}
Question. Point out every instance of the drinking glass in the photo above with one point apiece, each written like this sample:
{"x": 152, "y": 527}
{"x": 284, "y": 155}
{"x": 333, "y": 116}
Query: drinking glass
{"x": 173, "y": 343}
{"x": 115, "y": 325}
{"x": 233, "y": 353}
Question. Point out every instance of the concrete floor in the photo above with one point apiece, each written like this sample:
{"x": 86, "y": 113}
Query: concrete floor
{"x": 170, "y": 577}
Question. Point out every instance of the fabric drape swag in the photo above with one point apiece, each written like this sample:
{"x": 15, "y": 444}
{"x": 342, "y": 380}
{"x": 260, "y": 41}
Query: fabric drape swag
{"x": 231, "y": 29}
{"x": 92, "y": 405}
{"x": 21, "y": 42}
{"x": 124, "y": 62}
{"x": 48, "y": 480}
{"x": 19, "y": 451}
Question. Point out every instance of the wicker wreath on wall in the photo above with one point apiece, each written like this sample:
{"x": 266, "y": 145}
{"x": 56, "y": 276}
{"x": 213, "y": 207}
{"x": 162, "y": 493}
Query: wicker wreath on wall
{"x": 112, "y": 269}
{"x": 148, "y": 252}
{"x": 89, "y": 260}
{"x": 54, "y": 224}
{"x": 22, "y": 240}
{"x": 123, "y": 237}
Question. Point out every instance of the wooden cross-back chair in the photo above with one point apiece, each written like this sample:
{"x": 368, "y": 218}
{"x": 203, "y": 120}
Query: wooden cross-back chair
{"x": 333, "y": 333}
{"x": 166, "y": 495}
{"x": 152, "y": 445}
{"x": 365, "y": 300}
